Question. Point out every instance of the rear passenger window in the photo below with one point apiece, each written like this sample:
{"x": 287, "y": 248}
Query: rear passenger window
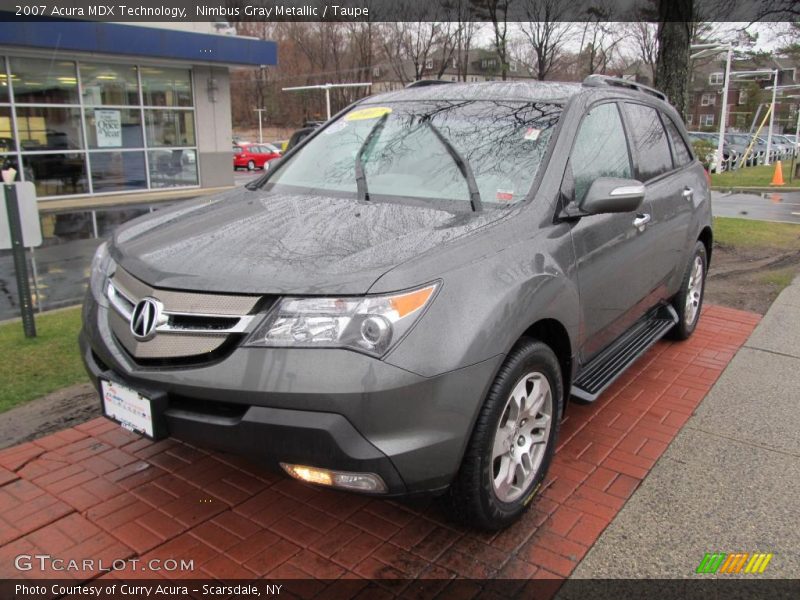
{"x": 650, "y": 140}
{"x": 600, "y": 149}
{"x": 680, "y": 153}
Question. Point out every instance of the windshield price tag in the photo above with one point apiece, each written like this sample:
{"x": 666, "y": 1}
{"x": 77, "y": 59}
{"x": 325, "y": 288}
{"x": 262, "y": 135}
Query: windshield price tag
{"x": 367, "y": 113}
{"x": 505, "y": 195}
{"x": 532, "y": 134}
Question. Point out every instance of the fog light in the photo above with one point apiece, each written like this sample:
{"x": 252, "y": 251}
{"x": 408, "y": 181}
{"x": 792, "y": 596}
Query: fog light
{"x": 364, "y": 482}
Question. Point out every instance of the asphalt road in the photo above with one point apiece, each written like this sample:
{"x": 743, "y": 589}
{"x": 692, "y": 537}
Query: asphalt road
{"x": 767, "y": 206}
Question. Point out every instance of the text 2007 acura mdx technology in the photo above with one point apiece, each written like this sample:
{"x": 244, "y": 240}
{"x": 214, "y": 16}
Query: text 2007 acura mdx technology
{"x": 404, "y": 304}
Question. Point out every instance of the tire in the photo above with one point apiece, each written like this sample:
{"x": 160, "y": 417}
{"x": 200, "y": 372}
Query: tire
{"x": 688, "y": 302}
{"x": 251, "y": 166}
{"x": 491, "y": 489}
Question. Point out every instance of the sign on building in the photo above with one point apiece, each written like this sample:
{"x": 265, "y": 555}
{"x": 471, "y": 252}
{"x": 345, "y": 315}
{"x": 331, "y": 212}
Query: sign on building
{"x": 109, "y": 128}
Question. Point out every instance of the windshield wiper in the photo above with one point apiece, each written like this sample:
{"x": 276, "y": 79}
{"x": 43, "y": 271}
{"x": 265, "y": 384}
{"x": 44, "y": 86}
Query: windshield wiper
{"x": 463, "y": 166}
{"x": 361, "y": 178}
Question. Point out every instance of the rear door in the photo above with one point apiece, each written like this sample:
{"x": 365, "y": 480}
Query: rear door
{"x": 664, "y": 169}
{"x": 613, "y": 255}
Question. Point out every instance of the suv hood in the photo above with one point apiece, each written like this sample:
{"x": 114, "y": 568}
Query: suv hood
{"x": 259, "y": 242}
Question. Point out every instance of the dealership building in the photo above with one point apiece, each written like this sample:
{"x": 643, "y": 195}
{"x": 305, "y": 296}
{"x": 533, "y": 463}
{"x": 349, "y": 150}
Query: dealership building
{"x": 100, "y": 113}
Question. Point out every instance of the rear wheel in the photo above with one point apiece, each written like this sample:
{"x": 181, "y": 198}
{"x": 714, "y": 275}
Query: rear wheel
{"x": 251, "y": 165}
{"x": 513, "y": 441}
{"x": 689, "y": 301}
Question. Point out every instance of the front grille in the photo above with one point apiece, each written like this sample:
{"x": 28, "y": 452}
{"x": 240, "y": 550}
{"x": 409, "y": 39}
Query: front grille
{"x": 189, "y": 326}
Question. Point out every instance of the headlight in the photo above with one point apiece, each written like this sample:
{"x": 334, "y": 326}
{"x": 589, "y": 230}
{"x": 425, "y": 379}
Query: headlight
{"x": 102, "y": 267}
{"x": 370, "y": 324}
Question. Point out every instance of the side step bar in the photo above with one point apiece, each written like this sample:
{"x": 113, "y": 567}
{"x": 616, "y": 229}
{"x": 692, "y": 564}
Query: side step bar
{"x": 601, "y": 372}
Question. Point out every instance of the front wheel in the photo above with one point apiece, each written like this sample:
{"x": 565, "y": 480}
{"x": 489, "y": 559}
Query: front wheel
{"x": 689, "y": 300}
{"x": 513, "y": 441}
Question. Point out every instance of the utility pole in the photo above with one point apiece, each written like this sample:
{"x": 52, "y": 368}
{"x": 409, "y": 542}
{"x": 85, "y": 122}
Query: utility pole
{"x": 774, "y": 73}
{"x": 260, "y": 131}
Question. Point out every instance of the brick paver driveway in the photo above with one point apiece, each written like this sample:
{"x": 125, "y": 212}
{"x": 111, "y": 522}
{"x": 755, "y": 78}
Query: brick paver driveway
{"x": 97, "y": 491}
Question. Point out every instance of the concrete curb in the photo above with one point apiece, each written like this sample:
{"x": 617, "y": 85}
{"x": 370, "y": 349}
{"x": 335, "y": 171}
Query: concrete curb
{"x": 754, "y": 189}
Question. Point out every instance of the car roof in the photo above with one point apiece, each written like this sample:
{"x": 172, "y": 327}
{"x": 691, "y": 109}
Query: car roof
{"x": 487, "y": 90}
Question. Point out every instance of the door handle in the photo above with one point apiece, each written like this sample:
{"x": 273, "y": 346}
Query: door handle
{"x": 688, "y": 193}
{"x": 641, "y": 221}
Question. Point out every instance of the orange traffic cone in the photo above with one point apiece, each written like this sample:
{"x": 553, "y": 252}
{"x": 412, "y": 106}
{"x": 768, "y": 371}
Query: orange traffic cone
{"x": 777, "y": 176}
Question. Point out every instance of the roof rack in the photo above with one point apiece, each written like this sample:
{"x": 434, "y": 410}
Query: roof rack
{"x": 426, "y": 83}
{"x": 605, "y": 80}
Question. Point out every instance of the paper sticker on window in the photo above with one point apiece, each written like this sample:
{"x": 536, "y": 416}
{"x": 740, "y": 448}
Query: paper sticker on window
{"x": 532, "y": 134}
{"x": 336, "y": 127}
{"x": 367, "y": 113}
{"x": 504, "y": 195}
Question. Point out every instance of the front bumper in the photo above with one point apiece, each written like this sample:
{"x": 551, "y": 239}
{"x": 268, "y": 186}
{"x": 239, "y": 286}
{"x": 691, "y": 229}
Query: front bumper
{"x": 333, "y": 409}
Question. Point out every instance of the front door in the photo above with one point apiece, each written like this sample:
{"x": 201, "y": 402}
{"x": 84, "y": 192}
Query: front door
{"x": 613, "y": 251}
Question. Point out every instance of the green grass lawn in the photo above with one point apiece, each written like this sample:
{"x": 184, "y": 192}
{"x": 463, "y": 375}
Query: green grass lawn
{"x": 747, "y": 233}
{"x": 30, "y": 368}
{"x": 754, "y": 177}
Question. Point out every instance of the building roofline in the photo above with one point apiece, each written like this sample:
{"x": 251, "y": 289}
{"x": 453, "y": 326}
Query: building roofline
{"x": 138, "y": 41}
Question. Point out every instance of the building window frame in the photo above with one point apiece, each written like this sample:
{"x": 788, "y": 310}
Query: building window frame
{"x": 19, "y": 155}
{"x": 717, "y": 78}
{"x": 708, "y": 99}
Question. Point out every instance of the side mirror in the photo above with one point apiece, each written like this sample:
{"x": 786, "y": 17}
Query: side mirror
{"x": 613, "y": 195}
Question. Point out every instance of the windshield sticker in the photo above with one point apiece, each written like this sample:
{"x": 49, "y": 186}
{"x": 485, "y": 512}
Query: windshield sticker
{"x": 504, "y": 195}
{"x": 367, "y": 113}
{"x": 532, "y": 134}
{"x": 335, "y": 127}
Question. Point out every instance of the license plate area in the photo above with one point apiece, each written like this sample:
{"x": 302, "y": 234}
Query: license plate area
{"x": 130, "y": 408}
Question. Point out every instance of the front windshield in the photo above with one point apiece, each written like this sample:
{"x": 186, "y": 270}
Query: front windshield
{"x": 503, "y": 142}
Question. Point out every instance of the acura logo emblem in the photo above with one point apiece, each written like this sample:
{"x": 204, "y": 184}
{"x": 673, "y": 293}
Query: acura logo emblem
{"x": 144, "y": 318}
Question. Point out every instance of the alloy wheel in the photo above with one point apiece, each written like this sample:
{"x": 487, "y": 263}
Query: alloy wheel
{"x": 520, "y": 441}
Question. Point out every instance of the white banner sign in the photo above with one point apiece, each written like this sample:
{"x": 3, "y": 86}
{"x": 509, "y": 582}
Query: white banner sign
{"x": 109, "y": 128}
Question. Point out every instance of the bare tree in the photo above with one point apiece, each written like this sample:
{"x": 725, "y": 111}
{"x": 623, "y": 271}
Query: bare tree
{"x": 464, "y": 33}
{"x": 546, "y": 33}
{"x": 644, "y": 36}
{"x": 599, "y": 38}
{"x": 497, "y": 11}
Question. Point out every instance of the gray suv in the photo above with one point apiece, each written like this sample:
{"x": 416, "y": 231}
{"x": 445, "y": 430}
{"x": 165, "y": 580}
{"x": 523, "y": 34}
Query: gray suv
{"x": 405, "y": 303}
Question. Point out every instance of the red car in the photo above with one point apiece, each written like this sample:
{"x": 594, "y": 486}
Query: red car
{"x": 253, "y": 156}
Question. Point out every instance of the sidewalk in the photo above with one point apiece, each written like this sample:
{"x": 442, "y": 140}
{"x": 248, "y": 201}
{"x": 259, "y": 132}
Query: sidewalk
{"x": 730, "y": 481}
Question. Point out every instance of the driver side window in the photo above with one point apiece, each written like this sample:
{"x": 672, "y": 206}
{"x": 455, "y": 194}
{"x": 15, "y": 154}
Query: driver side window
{"x": 600, "y": 149}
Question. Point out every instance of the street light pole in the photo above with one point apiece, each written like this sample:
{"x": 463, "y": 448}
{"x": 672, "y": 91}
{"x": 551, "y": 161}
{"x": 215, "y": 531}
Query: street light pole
{"x": 709, "y": 50}
{"x": 772, "y": 116}
{"x": 723, "y": 119}
{"x": 260, "y": 131}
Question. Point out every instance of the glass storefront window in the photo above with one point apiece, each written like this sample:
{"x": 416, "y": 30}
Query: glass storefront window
{"x": 166, "y": 87}
{"x": 170, "y": 127}
{"x": 114, "y": 128}
{"x": 49, "y": 128}
{"x": 42, "y": 81}
{"x": 76, "y": 128}
{"x": 56, "y": 174}
{"x": 117, "y": 171}
{"x": 108, "y": 84}
{"x": 4, "y": 97}
{"x": 171, "y": 168}
{"x": 6, "y": 130}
